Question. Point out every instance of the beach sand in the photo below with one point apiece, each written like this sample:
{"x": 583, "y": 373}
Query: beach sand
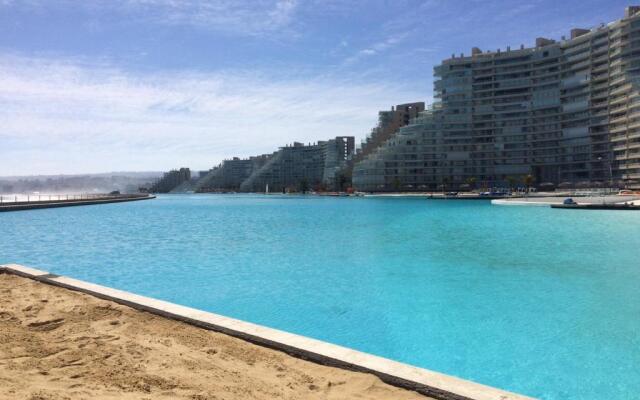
{"x": 59, "y": 344}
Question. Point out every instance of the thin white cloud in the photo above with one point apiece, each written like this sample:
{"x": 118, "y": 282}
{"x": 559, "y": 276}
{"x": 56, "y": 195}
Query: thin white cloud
{"x": 254, "y": 18}
{"x": 238, "y": 17}
{"x": 65, "y": 116}
{"x": 377, "y": 47}
{"x": 512, "y": 12}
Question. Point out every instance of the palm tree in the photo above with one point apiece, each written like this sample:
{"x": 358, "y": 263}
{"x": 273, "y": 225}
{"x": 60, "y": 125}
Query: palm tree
{"x": 471, "y": 181}
{"x": 512, "y": 182}
{"x": 445, "y": 182}
{"x": 344, "y": 181}
{"x": 304, "y": 185}
{"x": 396, "y": 184}
{"x": 528, "y": 181}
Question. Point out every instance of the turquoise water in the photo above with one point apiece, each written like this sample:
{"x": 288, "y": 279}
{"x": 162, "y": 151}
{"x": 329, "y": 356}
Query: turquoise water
{"x": 539, "y": 301}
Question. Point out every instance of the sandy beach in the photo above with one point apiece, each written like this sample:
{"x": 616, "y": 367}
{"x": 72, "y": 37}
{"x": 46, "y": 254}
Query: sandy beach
{"x": 58, "y": 344}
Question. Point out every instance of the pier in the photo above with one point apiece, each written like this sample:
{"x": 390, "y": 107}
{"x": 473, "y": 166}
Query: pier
{"x": 54, "y": 201}
{"x": 623, "y": 206}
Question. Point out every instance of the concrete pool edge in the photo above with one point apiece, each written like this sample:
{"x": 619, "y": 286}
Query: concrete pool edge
{"x": 427, "y": 382}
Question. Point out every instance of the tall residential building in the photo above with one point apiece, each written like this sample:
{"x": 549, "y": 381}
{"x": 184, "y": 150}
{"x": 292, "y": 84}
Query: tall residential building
{"x": 301, "y": 167}
{"x": 338, "y": 156}
{"x": 388, "y": 124}
{"x": 229, "y": 175}
{"x": 563, "y": 111}
{"x": 171, "y": 180}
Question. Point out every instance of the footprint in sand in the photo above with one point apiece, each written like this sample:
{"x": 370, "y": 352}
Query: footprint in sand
{"x": 7, "y": 316}
{"x": 47, "y": 325}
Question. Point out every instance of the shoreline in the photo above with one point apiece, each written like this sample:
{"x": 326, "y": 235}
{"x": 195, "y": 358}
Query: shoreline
{"x": 425, "y": 382}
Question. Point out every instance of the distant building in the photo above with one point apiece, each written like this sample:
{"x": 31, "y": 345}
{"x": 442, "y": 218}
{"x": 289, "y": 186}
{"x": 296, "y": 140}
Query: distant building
{"x": 171, "y": 180}
{"x": 230, "y": 174}
{"x": 338, "y": 155}
{"x": 566, "y": 112}
{"x": 294, "y": 167}
{"x": 301, "y": 167}
{"x": 388, "y": 124}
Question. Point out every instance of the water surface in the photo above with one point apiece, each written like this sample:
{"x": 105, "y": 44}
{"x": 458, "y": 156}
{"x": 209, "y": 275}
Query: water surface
{"x": 538, "y": 301}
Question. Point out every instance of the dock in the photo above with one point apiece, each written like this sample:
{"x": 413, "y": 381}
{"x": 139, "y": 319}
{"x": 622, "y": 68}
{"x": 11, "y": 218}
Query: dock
{"x": 74, "y": 201}
{"x": 617, "y": 206}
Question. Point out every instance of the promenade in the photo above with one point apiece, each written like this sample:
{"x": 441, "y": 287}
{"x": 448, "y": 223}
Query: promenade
{"x": 55, "y": 201}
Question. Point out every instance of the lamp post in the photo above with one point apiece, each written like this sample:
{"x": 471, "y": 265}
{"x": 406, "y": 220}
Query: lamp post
{"x": 610, "y": 172}
{"x": 600, "y": 159}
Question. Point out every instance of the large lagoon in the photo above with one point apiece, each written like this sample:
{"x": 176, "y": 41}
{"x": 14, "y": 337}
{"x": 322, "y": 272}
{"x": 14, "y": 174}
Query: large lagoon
{"x": 534, "y": 300}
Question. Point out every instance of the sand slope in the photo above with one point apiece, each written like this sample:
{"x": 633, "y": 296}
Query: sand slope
{"x": 59, "y": 344}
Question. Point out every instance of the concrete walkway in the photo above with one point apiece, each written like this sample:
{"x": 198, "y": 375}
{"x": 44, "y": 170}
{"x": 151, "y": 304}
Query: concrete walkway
{"x": 547, "y": 201}
{"x": 21, "y": 206}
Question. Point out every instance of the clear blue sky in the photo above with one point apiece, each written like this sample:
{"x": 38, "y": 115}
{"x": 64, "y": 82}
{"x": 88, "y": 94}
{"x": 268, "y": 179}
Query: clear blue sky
{"x": 105, "y": 85}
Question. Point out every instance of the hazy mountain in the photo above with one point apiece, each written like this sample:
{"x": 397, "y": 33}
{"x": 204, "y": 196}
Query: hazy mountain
{"x": 125, "y": 182}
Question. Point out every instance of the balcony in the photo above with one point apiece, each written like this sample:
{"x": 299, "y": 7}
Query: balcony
{"x": 575, "y": 81}
{"x": 620, "y": 89}
{"x": 575, "y": 106}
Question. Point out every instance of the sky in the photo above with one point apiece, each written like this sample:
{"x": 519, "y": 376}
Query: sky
{"x": 148, "y": 85}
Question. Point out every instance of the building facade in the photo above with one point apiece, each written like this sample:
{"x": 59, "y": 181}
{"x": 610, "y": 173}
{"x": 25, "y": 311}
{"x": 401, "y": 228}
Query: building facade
{"x": 566, "y": 112}
{"x": 388, "y": 124}
{"x": 338, "y": 156}
{"x": 301, "y": 167}
{"x": 171, "y": 180}
{"x": 229, "y": 175}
